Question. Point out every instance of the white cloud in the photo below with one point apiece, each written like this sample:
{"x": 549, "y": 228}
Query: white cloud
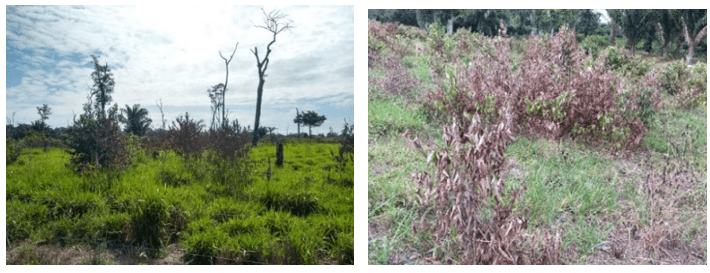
{"x": 172, "y": 53}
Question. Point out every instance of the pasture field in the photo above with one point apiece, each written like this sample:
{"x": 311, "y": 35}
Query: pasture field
{"x": 166, "y": 210}
{"x": 644, "y": 205}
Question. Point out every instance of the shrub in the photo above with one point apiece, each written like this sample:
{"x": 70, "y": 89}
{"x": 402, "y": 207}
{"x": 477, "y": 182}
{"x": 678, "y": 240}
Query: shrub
{"x": 473, "y": 206}
{"x": 380, "y": 40}
{"x": 13, "y": 149}
{"x": 99, "y": 143}
{"x": 156, "y": 141}
{"x": 689, "y": 87}
{"x": 575, "y": 99}
{"x": 187, "y": 137}
{"x": 147, "y": 225}
{"x": 616, "y": 58}
{"x": 673, "y": 77}
{"x": 698, "y": 83}
{"x": 411, "y": 32}
{"x": 346, "y": 151}
{"x": 230, "y": 144}
{"x": 397, "y": 79}
{"x": 37, "y": 139}
{"x": 462, "y": 90}
{"x": 594, "y": 44}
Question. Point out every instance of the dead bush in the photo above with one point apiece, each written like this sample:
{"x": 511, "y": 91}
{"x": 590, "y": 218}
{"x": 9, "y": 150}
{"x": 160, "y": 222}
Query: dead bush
{"x": 471, "y": 202}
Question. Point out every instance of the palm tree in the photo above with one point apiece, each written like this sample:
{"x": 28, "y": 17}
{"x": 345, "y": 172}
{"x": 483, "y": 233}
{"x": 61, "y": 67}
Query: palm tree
{"x": 136, "y": 119}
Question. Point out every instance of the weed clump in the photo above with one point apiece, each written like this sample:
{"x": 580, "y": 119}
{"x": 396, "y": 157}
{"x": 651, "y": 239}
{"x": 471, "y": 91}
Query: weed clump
{"x": 148, "y": 223}
{"x": 13, "y": 149}
{"x": 299, "y": 204}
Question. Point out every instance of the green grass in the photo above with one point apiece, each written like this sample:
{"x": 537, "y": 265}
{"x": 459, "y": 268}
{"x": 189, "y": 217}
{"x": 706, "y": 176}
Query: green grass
{"x": 568, "y": 188}
{"x": 303, "y": 214}
{"x": 685, "y": 128}
{"x": 393, "y": 117}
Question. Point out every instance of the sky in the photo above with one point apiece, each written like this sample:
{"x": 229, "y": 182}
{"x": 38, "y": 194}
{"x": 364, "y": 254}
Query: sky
{"x": 604, "y": 18}
{"x": 173, "y": 54}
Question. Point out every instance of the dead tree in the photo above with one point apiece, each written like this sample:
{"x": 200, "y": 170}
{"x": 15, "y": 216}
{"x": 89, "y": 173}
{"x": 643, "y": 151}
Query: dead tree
{"x": 226, "y": 79}
{"x": 298, "y": 121}
{"x": 273, "y": 23}
{"x": 162, "y": 116}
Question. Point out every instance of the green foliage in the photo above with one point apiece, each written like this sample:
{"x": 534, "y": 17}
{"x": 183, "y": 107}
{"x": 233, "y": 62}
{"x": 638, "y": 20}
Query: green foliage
{"x": 238, "y": 218}
{"x": 13, "y": 148}
{"x": 646, "y": 108}
{"x": 102, "y": 88}
{"x": 389, "y": 117}
{"x": 44, "y": 112}
{"x": 99, "y": 143}
{"x": 136, "y": 119}
{"x": 553, "y": 109}
{"x": 312, "y": 119}
{"x": 616, "y": 59}
{"x": 634, "y": 22}
{"x": 689, "y": 87}
{"x": 40, "y": 139}
{"x": 619, "y": 60}
{"x": 673, "y": 77}
{"x": 594, "y": 44}
{"x": 148, "y": 218}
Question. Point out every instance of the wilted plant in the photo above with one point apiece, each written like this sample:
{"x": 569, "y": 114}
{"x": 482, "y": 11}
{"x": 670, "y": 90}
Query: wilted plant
{"x": 186, "y": 133}
{"x": 230, "y": 144}
{"x": 471, "y": 200}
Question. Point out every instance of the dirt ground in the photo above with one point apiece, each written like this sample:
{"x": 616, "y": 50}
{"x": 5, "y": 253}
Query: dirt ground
{"x": 79, "y": 255}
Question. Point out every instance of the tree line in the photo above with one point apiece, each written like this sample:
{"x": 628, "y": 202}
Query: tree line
{"x": 684, "y": 27}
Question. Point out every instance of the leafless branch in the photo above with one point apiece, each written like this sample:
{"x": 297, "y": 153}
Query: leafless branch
{"x": 273, "y": 20}
{"x": 230, "y": 57}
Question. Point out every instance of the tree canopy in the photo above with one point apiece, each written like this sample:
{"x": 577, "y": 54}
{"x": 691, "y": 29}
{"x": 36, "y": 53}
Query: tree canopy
{"x": 136, "y": 119}
{"x": 312, "y": 119}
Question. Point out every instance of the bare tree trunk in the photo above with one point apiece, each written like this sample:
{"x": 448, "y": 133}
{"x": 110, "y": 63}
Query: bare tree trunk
{"x": 613, "y": 33}
{"x": 259, "y": 92}
{"x": 226, "y": 79}
{"x": 162, "y": 116}
{"x": 299, "y": 125}
{"x": 450, "y": 25}
{"x": 271, "y": 23}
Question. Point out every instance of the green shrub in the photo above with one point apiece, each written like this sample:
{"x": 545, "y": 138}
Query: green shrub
{"x": 13, "y": 149}
{"x": 148, "y": 222}
{"x": 646, "y": 106}
{"x": 594, "y": 44}
{"x": 99, "y": 143}
{"x": 620, "y": 61}
{"x": 673, "y": 77}
{"x": 300, "y": 203}
{"x": 699, "y": 77}
{"x": 616, "y": 59}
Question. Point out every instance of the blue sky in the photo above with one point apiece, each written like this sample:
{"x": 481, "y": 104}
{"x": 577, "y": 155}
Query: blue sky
{"x": 172, "y": 53}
